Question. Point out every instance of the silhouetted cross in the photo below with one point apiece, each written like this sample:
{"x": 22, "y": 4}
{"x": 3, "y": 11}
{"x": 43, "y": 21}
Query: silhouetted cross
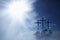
{"x": 38, "y": 23}
{"x": 48, "y": 23}
{"x": 42, "y": 21}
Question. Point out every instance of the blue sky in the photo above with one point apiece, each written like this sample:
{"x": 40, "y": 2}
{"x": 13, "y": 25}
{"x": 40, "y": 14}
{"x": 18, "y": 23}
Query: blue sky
{"x": 50, "y": 9}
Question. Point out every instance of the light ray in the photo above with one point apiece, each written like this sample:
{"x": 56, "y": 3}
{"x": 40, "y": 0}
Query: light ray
{"x": 18, "y": 9}
{"x": 21, "y": 14}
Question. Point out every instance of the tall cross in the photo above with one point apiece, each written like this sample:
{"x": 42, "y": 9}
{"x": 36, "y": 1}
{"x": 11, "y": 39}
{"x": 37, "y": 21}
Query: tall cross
{"x": 42, "y": 21}
{"x": 38, "y": 23}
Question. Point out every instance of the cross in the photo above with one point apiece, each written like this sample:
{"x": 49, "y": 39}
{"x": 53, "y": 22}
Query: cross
{"x": 38, "y": 23}
{"x": 42, "y": 22}
{"x": 48, "y": 22}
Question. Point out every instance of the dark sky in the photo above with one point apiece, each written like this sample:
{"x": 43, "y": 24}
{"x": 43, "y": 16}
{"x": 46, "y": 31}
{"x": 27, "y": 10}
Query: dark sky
{"x": 50, "y": 9}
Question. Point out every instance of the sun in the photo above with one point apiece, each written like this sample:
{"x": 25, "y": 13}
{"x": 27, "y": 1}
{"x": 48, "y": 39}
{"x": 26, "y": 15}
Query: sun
{"x": 18, "y": 9}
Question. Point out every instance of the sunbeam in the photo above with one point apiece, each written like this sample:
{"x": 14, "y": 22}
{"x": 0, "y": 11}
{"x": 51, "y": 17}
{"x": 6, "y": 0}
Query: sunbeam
{"x": 21, "y": 16}
{"x": 18, "y": 9}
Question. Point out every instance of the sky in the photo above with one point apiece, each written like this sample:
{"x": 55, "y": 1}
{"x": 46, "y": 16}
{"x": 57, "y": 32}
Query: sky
{"x": 50, "y": 9}
{"x": 17, "y": 28}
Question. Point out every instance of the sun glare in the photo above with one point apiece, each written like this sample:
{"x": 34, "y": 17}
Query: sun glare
{"x": 18, "y": 9}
